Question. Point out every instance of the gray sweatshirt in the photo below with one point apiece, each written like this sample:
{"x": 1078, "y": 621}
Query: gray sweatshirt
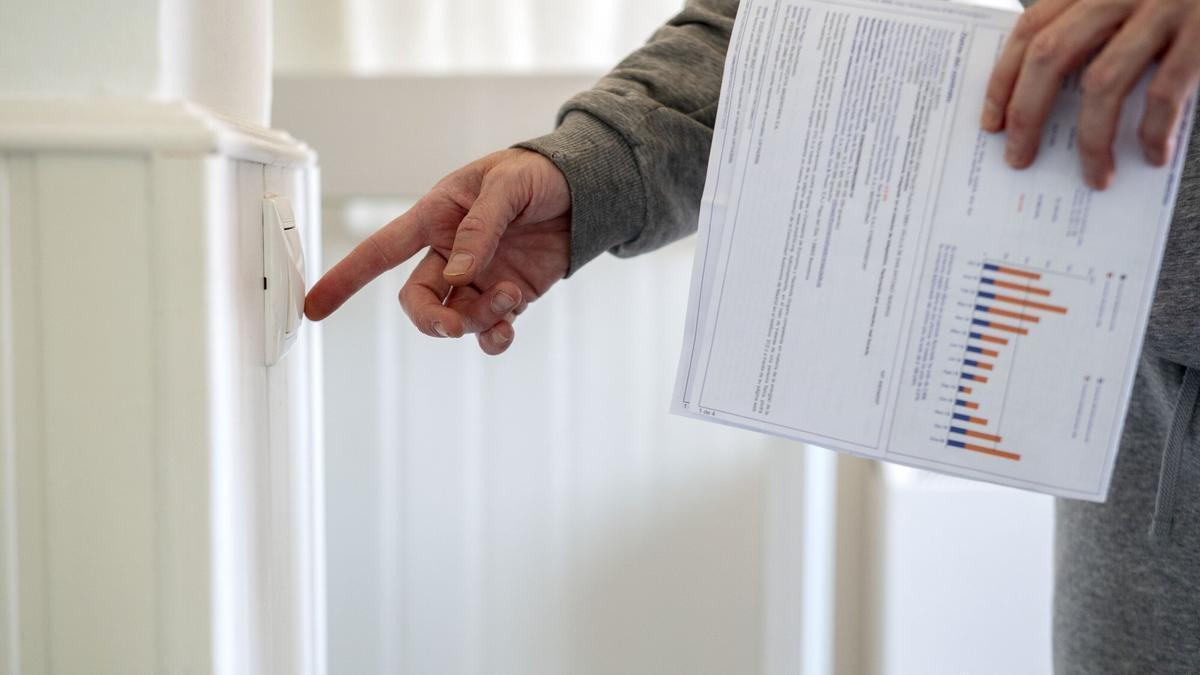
{"x": 634, "y": 151}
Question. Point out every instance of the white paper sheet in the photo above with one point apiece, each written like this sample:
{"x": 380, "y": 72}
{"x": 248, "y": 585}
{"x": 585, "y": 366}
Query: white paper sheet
{"x": 871, "y": 277}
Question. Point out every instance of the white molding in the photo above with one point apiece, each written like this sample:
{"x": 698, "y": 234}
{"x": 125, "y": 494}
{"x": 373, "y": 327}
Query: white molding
{"x": 135, "y": 125}
{"x": 799, "y": 560}
{"x": 10, "y": 655}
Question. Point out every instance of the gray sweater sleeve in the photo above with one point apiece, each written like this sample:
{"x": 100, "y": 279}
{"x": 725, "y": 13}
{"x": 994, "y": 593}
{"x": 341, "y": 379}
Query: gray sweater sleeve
{"x": 635, "y": 147}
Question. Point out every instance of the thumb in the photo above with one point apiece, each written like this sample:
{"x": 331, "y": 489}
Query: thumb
{"x": 501, "y": 199}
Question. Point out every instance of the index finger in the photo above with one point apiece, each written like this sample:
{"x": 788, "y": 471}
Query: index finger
{"x": 1008, "y": 66}
{"x": 387, "y": 247}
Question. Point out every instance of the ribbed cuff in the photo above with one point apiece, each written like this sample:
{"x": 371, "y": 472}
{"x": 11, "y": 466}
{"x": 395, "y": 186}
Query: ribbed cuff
{"x": 608, "y": 204}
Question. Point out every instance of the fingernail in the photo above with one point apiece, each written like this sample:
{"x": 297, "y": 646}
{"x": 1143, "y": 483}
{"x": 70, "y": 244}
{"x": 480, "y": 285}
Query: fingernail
{"x": 1100, "y": 181}
{"x": 990, "y": 119}
{"x": 502, "y": 302}
{"x": 440, "y": 329}
{"x": 459, "y": 264}
{"x": 500, "y": 338}
{"x": 1013, "y": 157}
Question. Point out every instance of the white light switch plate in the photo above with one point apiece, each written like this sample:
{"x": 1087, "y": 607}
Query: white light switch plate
{"x": 283, "y": 276}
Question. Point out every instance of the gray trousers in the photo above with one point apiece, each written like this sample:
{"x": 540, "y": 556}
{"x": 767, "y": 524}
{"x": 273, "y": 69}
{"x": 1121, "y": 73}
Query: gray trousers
{"x": 1127, "y": 595}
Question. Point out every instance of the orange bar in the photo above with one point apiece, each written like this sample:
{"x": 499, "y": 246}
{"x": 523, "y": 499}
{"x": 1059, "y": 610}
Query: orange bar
{"x": 989, "y": 352}
{"x": 979, "y": 434}
{"x": 993, "y": 339}
{"x": 1018, "y": 287}
{"x": 977, "y": 420}
{"x": 965, "y": 390}
{"x": 1012, "y": 315}
{"x": 1007, "y": 328}
{"x": 978, "y": 378}
{"x": 970, "y": 404}
{"x": 1018, "y": 273}
{"x": 981, "y": 364}
{"x": 995, "y": 453}
{"x": 1030, "y": 303}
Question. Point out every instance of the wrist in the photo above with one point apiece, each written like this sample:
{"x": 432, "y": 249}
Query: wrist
{"x": 601, "y": 173}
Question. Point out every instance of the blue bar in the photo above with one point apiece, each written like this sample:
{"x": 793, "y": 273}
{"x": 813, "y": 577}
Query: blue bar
{"x": 990, "y": 267}
{"x": 988, "y": 281}
{"x": 960, "y": 402}
{"x": 958, "y": 430}
{"x": 955, "y": 444}
{"x": 971, "y": 362}
{"x": 975, "y": 336}
{"x": 974, "y": 349}
{"x": 968, "y": 376}
{"x": 960, "y": 416}
{"x": 961, "y": 388}
{"x": 983, "y": 308}
{"x": 986, "y": 294}
{"x": 980, "y": 322}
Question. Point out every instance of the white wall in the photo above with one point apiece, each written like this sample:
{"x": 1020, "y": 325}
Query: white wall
{"x": 371, "y": 37}
{"x": 962, "y": 576}
{"x": 540, "y": 512}
{"x": 215, "y": 53}
{"x": 65, "y": 47}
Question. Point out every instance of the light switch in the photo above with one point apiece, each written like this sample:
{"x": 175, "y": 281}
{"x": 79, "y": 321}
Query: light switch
{"x": 283, "y": 276}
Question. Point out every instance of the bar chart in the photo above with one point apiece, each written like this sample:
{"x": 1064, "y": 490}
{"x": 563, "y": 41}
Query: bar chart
{"x": 1009, "y": 304}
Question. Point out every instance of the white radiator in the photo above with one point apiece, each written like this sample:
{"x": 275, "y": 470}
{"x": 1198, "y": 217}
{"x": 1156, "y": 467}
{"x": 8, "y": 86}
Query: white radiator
{"x": 160, "y": 487}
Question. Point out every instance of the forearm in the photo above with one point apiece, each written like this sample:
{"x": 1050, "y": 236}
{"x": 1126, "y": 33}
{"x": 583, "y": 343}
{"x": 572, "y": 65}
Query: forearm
{"x": 634, "y": 148}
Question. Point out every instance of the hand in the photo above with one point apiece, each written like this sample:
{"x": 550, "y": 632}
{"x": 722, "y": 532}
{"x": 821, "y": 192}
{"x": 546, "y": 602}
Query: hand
{"x": 502, "y": 222}
{"x": 1054, "y": 37}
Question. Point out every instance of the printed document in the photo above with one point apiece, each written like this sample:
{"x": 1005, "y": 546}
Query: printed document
{"x": 872, "y": 277}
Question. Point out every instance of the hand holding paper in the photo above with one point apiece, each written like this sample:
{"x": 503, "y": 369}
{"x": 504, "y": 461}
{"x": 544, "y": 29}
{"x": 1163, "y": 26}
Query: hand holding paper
{"x": 871, "y": 276}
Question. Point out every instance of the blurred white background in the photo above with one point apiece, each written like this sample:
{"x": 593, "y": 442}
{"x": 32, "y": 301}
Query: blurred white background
{"x": 541, "y": 512}
{"x": 371, "y": 37}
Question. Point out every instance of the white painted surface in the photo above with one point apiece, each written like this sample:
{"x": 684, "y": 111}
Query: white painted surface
{"x": 965, "y": 577}
{"x": 373, "y": 142}
{"x": 373, "y": 37}
{"x": 164, "y": 480}
{"x": 67, "y": 48}
{"x": 216, "y": 53}
{"x": 540, "y": 512}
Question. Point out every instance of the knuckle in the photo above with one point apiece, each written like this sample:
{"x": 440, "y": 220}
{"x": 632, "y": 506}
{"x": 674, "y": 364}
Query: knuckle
{"x": 503, "y": 175}
{"x": 475, "y": 225}
{"x": 405, "y": 297}
{"x": 445, "y": 190}
{"x": 516, "y": 182}
{"x": 507, "y": 178}
{"x": 1174, "y": 73}
{"x": 1018, "y": 117}
{"x": 1043, "y": 50}
{"x": 407, "y": 305}
{"x": 1099, "y": 80}
{"x": 1027, "y": 25}
{"x": 1161, "y": 92}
